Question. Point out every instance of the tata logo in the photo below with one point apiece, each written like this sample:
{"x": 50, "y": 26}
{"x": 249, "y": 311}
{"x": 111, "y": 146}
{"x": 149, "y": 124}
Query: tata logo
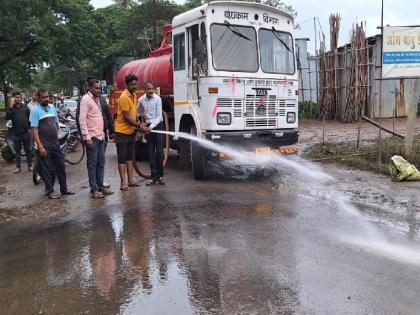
{"x": 261, "y": 110}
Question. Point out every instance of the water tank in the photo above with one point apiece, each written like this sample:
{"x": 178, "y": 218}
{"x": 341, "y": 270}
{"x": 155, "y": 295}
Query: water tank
{"x": 157, "y": 69}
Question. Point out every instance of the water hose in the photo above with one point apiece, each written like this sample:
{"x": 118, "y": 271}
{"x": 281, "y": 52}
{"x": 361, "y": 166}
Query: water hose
{"x": 165, "y": 152}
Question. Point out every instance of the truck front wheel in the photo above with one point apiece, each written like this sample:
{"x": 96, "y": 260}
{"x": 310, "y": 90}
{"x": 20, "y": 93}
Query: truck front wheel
{"x": 198, "y": 157}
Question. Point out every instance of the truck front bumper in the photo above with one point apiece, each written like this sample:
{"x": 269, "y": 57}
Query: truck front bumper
{"x": 252, "y": 139}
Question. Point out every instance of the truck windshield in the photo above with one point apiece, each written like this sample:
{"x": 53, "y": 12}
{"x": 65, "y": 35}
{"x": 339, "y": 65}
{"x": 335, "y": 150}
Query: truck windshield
{"x": 276, "y": 52}
{"x": 234, "y": 48}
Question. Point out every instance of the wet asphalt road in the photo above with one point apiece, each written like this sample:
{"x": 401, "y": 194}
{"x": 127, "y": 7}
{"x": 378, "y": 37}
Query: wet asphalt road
{"x": 224, "y": 246}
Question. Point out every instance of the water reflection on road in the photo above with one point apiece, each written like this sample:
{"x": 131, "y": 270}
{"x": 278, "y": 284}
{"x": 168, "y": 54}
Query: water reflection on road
{"x": 169, "y": 257}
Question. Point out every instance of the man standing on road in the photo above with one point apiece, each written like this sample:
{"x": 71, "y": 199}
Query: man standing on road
{"x": 125, "y": 129}
{"x": 151, "y": 104}
{"x": 92, "y": 129}
{"x": 19, "y": 114}
{"x": 34, "y": 102}
{"x": 108, "y": 121}
{"x": 109, "y": 131}
{"x": 44, "y": 123}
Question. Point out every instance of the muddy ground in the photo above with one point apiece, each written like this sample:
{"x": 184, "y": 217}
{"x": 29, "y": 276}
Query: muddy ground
{"x": 23, "y": 202}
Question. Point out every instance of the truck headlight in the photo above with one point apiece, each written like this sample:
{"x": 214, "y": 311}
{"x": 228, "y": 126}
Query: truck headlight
{"x": 291, "y": 118}
{"x": 224, "y": 118}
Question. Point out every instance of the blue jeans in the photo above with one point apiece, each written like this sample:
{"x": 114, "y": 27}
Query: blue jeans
{"x": 96, "y": 164}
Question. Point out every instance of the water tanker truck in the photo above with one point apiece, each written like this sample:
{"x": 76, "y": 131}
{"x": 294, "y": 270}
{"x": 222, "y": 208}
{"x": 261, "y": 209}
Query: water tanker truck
{"x": 226, "y": 71}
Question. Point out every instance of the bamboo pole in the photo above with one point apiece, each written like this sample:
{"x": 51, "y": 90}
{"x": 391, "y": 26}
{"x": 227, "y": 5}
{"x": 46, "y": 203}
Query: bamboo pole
{"x": 382, "y": 128}
{"x": 411, "y": 119}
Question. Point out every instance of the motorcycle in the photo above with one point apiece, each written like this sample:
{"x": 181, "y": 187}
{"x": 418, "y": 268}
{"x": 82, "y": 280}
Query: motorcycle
{"x": 8, "y": 151}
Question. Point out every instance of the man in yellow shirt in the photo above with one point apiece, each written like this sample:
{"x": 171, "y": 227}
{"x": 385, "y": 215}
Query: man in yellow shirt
{"x": 125, "y": 129}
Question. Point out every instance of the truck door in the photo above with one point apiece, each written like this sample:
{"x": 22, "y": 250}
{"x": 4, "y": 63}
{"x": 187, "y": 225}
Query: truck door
{"x": 180, "y": 71}
{"x": 193, "y": 37}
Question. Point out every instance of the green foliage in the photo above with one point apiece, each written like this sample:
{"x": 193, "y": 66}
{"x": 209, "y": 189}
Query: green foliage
{"x": 191, "y": 4}
{"x": 26, "y": 28}
{"x": 58, "y": 43}
{"x": 281, "y": 5}
{"x": 307, "y": 109}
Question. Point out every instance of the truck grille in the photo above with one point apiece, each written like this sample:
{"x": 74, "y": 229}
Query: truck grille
{"x": 229, "y": 104}
{"x": 257, "y": 111}
{"x": 260, "y": 111}
{"x": 252, "y": 123}
{"x": 282, "y": 108}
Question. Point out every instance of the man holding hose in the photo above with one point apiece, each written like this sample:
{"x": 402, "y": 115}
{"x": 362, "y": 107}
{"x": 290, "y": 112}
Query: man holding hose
{"x": 150, "y": 104}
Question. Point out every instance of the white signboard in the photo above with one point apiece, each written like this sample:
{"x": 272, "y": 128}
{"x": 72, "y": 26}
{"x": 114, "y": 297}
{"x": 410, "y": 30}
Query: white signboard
{"x": 401, "y": 53}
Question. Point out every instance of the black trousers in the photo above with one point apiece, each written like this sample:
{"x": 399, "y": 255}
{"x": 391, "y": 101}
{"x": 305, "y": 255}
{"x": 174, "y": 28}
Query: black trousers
{"x": 155, "y": 144}
{"x": 25, "y": 140}
{"x": 50, "y": 164}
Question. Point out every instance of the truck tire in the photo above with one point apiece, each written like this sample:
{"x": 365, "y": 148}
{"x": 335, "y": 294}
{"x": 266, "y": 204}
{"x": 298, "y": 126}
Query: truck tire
{"x": 198, "y": 158}
{"x": 184, "y": 153}
{"x": 7, "y": 153}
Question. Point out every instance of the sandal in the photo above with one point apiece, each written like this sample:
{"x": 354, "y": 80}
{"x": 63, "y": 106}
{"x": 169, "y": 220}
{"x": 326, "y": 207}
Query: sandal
{"x": 124, "y": 188}
{"x": 97, "y": 195}
{"x": 53, "y": 195}
{"x": 151, "y": 182}
{"x": 107, "y": 192}
{"x": 134, "y": 185}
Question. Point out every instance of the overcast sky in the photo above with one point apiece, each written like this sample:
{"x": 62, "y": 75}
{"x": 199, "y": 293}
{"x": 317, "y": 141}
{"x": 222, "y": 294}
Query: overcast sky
{"x": 396, "y": 12}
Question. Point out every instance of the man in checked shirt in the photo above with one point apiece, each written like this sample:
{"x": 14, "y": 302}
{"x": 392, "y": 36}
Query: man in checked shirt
{"x": 151, "y": 104}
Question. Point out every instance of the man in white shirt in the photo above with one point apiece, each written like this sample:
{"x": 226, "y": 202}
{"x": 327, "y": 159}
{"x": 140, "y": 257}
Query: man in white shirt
{"x": 33, "y": 102}
{"x": 150, "y": 105}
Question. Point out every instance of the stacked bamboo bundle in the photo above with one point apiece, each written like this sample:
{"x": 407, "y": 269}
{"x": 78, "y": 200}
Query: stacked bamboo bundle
{"x": 327, "y": 107}
{"x": 357, "y": 85}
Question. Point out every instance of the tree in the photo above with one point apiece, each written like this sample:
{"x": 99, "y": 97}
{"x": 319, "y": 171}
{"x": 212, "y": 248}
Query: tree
{"x": 78, "y": 44}
{"x": 191, "y": 4}
{"x": 25, "y": 30}
{"x": 125, "y": 3}
{"x": 281, "y": 5}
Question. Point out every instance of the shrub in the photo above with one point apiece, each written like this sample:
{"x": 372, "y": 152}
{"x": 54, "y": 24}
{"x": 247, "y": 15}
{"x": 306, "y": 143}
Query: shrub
{"x": 307, "y": 109}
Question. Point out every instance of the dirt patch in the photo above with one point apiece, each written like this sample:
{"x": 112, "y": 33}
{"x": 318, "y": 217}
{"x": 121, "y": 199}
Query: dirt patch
{"x": 369, "y": 156}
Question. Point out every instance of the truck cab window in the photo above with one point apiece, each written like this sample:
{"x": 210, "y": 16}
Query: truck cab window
{"x": 234, "y": 47}
{"x": 179, "y": 52}
{"x": 193, "y": 37}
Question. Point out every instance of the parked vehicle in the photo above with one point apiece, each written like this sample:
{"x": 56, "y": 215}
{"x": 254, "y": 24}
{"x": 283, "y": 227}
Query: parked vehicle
{"x": 71, "y": 106}
{"x": 8, "y": 151}
{"x": 229, "y": 77}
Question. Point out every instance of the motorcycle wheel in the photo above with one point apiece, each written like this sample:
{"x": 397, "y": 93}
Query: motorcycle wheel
{"x": 7, "y": 153}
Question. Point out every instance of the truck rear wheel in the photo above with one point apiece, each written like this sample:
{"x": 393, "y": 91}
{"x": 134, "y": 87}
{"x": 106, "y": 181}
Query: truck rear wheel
{"x": 198, "y": 158}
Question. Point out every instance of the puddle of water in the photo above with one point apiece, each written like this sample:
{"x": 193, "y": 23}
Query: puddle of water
{"x": 245, "y": 158}
{"x": 315, "y": 179}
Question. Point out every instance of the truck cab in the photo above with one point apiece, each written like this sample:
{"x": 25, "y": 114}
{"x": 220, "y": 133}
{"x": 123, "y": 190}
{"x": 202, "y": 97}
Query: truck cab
{"x": 235, "y": 78}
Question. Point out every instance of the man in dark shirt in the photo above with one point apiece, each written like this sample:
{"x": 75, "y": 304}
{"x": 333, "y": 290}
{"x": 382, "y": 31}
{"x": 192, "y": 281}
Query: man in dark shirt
{"x": 19, "y": 113}
{"x": 44, "y": 122}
